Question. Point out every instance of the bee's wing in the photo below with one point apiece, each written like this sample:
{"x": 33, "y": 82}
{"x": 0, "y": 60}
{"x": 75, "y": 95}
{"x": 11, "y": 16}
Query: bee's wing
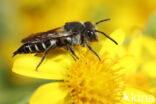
{"x": 44, "y": 36}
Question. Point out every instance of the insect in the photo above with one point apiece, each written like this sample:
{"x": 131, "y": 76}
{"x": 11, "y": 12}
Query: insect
{"x": 71, "y": 34}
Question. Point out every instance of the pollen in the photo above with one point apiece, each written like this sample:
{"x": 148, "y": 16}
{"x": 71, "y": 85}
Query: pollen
{"x": 90, "y": 81}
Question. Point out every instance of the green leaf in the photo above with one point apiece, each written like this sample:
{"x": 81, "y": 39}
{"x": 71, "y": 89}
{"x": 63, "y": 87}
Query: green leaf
{"x": 150, "y": 29}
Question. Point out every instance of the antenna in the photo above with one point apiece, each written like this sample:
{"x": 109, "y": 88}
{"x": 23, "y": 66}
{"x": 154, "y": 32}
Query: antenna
{"x": 102, "y": 21}
{"x": 107, "y": 36}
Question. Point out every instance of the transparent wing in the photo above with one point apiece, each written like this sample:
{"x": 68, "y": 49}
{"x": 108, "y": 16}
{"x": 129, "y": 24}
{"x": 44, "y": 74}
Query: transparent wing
{"x": 44, "y": 36}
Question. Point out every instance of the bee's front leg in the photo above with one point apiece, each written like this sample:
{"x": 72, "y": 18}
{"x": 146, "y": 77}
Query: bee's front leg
{"x": 90, "y": 48}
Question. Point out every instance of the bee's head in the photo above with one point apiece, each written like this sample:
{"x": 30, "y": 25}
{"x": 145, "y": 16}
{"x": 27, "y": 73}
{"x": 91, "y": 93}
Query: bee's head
{"x": 89, "y": 32}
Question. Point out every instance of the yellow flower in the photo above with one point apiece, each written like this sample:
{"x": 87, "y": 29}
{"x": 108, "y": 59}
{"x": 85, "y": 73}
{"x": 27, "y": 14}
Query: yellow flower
{"x": 87, "y": 80}
{"x": 43, "y": 15}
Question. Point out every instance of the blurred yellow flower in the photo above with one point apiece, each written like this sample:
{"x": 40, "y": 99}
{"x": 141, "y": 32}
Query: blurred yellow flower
{"x": 124, "y": 14}
{"x": 47, "y": 14}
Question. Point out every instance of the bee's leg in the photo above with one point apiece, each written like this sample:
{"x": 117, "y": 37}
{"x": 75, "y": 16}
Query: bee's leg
{"x": 43, "y": 57}
{"x": 90, "y": 48}
{"x": 73, "y": 58}
{"x": 72, "y": 51}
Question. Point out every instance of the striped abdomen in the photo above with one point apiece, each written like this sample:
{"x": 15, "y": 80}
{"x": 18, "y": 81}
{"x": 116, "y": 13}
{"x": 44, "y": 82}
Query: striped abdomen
{"x": 35, "y": 47}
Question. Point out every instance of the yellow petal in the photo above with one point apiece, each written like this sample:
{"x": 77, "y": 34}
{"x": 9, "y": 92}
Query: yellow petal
{"x": 128, "y": 64}
{"x": 109, "y": 46}
{"x": 137, "y": 96}
{"x": 51, "y": 68}
{"x": 140, "y": 79}
{"x": 51, "y": 93}
{"x": 135, "y": 46}
{"x": 150, "y": 68}
{"x": 149, "y": 44}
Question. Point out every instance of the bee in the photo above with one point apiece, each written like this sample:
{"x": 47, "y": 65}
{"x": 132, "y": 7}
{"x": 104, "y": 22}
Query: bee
{"x": 71, "y": 34}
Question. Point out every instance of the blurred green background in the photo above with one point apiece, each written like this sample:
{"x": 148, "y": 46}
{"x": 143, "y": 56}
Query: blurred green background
{"x": 19, "y": 18}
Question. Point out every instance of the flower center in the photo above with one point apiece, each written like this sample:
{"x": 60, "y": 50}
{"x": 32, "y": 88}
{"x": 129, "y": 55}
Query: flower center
{"x": 90, "y": 81}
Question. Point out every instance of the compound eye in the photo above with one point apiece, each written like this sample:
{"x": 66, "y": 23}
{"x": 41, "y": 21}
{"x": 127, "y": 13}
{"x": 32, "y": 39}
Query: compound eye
{"x": 92, "y": 33}
{"x": 87, "y": 32}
